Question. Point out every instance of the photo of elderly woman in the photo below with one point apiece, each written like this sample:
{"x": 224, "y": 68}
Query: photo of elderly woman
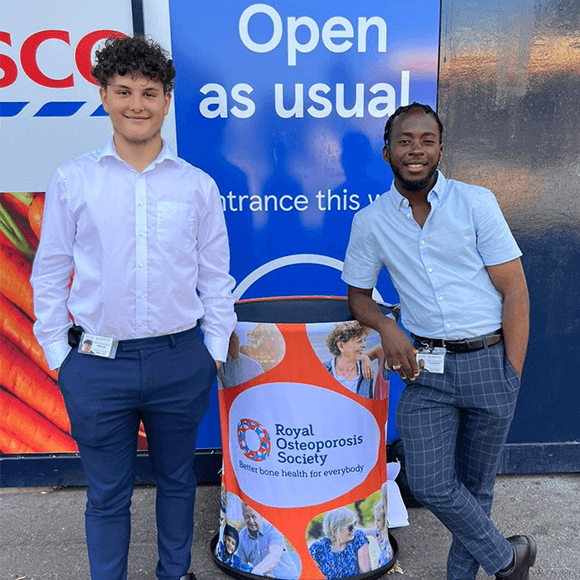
{"x": 344, "y": 549}
{"x": 350, "y": 364}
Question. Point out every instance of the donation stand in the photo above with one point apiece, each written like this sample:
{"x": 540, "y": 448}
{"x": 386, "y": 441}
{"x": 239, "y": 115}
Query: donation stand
{"x": 304, "y": 446}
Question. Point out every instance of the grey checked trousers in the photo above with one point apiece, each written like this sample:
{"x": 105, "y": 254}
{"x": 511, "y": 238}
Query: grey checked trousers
{"x": 453, "y": 427}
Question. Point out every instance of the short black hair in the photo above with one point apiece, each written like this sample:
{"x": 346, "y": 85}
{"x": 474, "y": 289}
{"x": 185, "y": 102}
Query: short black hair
{"x": 133, "y": 55}
{"x": 402, "y": 111}
{"x": 229, "y": 530}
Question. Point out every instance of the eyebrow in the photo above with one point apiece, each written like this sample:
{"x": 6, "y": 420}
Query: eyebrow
{"x": 122, "y": 86}
{"x": 410, "y": 134}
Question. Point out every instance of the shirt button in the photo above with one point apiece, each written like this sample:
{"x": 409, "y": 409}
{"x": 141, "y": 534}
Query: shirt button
{"x": 141, "y": 203}
{"x": 440, "y": 298}
{"x": 141, "y": 234}
{"x": 142, "y": 296}
{"x": 430, "y": 270}
{"x": 141, "y": 265}
{"x": 423, "y": 242}
{"x": 449, "y": 326}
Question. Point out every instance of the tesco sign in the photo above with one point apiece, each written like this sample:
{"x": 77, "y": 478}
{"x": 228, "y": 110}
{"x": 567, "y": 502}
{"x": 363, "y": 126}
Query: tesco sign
{"x": 29, "y": 62}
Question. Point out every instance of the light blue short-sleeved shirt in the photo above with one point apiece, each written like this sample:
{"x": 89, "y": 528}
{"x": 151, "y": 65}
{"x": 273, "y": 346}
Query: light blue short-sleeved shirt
{"x": 253, "y": 550}
{"x": 439, "y": 270}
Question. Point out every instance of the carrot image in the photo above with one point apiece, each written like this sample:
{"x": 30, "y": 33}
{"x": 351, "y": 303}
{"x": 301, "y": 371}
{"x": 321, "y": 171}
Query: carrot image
{"x": 17, "y": 327}
{"x": 31, "y": 384}
{"x": 14, "y": 279}
{"x": 18, "y": 203}
{"x": 141, "y": 438}
{"x": 7, "y": 242}
{"x": 15, "y": 233}
{"x": 26, "y": 425}
{"x": 35, "y": 212}
{"x": 9, "y": 444}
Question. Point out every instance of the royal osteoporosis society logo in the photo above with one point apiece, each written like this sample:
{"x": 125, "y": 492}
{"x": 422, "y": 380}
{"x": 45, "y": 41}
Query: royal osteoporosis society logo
{"x": 303, "y": 444}
{"x": 254, "y": 440}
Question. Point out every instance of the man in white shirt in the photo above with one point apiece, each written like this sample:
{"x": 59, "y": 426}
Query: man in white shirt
{"x": 144, "y": 236}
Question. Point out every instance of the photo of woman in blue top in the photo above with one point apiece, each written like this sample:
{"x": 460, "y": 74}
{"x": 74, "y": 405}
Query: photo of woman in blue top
{"x": 344, "y": 550}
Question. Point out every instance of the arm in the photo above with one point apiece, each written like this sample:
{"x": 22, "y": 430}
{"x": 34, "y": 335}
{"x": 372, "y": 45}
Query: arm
{"x": 396, "y": 345}
{"x": 273, "y": 557}
{"x": 51, "y": 273}
{"x": 364, "y": 559}
{"x": 510, "y": 282}
{"x": 375, "y": 353}
{"x": 215, "y": 284}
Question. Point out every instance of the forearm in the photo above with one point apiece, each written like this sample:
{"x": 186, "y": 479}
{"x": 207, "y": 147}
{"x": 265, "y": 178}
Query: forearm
{"x": 364, "y": 560}
{"x": 398, "y": 349}
{"x": 268, "y": 562}
{"x": 368, "y": 313}
{"x": 516, "y": 328}
{"x": 51, "y": 275}
{"x": 215, "y": 284}
{"x": 510, "y": 281}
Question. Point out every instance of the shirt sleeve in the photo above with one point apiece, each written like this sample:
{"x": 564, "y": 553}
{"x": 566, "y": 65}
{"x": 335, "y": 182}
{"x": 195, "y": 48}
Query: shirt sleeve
{"x": 362, "y": 264}
{"x": 359, "y": 539}
{"x": 214, "y": 282}
{"x": 495, "y": 242}
{"x": 51, "y": 272}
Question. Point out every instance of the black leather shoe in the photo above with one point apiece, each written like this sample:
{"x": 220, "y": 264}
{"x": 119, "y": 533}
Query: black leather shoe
{"x": 188, "y": 576}
{"x": 524, "y": 559}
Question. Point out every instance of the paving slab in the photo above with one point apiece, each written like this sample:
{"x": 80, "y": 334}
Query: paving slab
{"x": 42, "y": 531}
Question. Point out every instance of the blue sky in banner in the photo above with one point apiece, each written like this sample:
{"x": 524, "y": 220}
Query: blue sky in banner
{"x": 284, "y": 104}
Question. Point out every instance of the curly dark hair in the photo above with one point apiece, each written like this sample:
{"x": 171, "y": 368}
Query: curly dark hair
{"x": 133, "y": 55}
{"x": 402, "y": 111}
{"x": 343, "y": 332}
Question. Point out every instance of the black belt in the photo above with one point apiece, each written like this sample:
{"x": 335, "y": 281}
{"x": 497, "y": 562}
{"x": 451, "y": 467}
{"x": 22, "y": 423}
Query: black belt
{"x": 464, "y": 344}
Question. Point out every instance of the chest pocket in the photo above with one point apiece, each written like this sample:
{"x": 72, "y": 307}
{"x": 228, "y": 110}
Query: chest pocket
{"x": 175, "y": 224}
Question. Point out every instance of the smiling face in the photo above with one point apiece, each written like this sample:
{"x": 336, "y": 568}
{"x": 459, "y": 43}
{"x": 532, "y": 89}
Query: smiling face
{"x": 345, "y": 534}
{"x": 353, "y": 348}
{"x": 230, "y": 544}
{"x": 137, "y": 107}
{"x": 252, "y": 519}
{"x": 414, "y": 151}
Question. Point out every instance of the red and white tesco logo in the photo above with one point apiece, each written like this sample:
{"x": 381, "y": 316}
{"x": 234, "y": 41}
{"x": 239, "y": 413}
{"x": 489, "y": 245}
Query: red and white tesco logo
{"x": 29, "y": 63}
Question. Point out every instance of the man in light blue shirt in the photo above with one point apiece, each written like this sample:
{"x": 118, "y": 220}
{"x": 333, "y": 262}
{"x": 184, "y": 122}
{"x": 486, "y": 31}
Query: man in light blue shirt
{"x": 457, "y": 269}
{"x": 264, "y": 548}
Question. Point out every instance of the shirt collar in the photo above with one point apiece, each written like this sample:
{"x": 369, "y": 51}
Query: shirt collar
{"x": 438, "y": 191}
{"x": 166, "y": 153}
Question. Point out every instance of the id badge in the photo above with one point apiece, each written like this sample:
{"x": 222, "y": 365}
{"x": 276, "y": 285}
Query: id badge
{"x": 95, "y": 345}
{"x": 432, "y": 360}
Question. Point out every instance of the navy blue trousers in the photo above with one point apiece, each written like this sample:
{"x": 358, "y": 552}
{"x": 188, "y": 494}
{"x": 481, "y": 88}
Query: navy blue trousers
{"x": 164, "y": 381}
{"x": 453, "y": 427}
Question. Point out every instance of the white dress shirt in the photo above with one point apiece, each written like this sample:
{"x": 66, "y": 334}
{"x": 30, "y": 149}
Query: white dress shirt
{"x": 439, "y": 270}
{"x": 149, "y": 250}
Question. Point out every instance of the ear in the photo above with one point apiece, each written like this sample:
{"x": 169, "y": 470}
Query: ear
{"x": 386, "y": 155}
{"x": 440, "y": 151}
{"x": 103, "y": 95}
{"x": 167, "y": 103}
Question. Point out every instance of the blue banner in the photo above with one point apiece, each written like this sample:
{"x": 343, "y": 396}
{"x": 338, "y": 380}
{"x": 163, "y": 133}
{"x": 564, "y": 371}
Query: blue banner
{"x": 284, "y": 105}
